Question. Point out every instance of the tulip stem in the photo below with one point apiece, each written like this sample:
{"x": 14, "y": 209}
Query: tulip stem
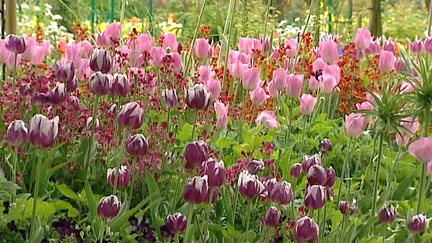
{"x": 343, "y": 170}
{"x": 384, "y": 232}
{"x": 390, "y": 179}
{"x": 248, "y": 210}
{"x": 424, "y": 165}
{"x": 14, "y": 162}
{"x": 133, "y": 171}
{"x": 235, "y": 204}
{"x": 194, "y": 124}
{"x": 294, "y": 196}
{"x": 14, "y": 74}
{"x": 208, "y": 210}
{"x": 323, "y": 223}
{"x": 102, "y": 232}
{"x": 265, "y": 25}
{"x": 136, "y": 84}
{"x": 303, "y": 134}
{"x": 176, "y": 238}
{"x": 318, "y": 220}
{"x": 329, "y": 106}
{"x": 93, "y": 126}
{"x": 227, "y": 47}
{"x": 375, "y": 194}
{"x": 342, "y": 232}
{"x": 240, "y": 132}
{"x": 189, "y": 222}
{"x": 35, "y": 196}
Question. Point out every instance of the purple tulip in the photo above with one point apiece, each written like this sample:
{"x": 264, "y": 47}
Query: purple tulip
{"x": 387, "y": 215}
{"x": 176, "y": 223}
{"x": 123, "y": 176}
{"x": 417, "y": 223}
{"x": 65, "y": 73}
{"x": 16, "y": 44}
{"x": 296, "y": 170}
{"x": 109, "y": 207}
{"x": 198, "y": 97}
{"x": 249, "y": 185}
{"x": 282, "y": 193}
{"x": 416, "y": 46}
{"x": 389, "y": 45}
{"x": 58, "y": 95}
{"x": 428, "y": 44}
{"x": 272, "y": 217}
{"x": 374, "y": 48}
{"x": 170, "y": 97}
{"x": 346, "y": 208}
{"x": 136, "y": 145}
{"x": 100, "y": 61}
{"x": 399, "y": 65}
{"x": 195, "y": 153}
{"x": 362, "y": 38}
{"x": 269, "y": 185}
{"x": 25, "y": 89}
{"x": 131, "y": 115}
{"x": 40, "y": 99}
{"x": 120, "y": 85}
{"x": 310, "y": 161}
{"x": 315, "y": 197}
{"x": 17, "y": 133}
{"x": 255, "y": 166}
{"x": 331, "y": 177}
{"x": 196, "y": 190}
{"x": 215, "y": 172}
{"x": 317, "y": 175}
{"x": 72, "y": 85}
{"x": 43, "y": 131}
{"x": 325, "y": 146}
{"x": 100, "y": 84}
{"x": 306, "y": 230}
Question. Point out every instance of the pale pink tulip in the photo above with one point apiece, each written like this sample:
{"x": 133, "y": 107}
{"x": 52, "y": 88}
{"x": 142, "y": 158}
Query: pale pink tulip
{"x": 307, "y": 104}
{"x": 267, "y": 119}
{"x": 421, "y": 149}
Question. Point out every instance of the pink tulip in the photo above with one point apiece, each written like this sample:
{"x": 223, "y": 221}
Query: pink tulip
{"x": 251, "y": 78}
{"x": 220, "y": 108}
{"x": 313, "y": 83}
{"x": 328, "y": 83}
{"x": 257, "y": 45}
{"x": 428, "y": 44}
{"x": 177, "y": 62}
{"x": 365, "y": 106}
{"x": 205, "y": 73}
{"x": 246, "y": 45}
{"x": 88, "y": 49}
{"x": 386, "y": 61}
{"x": 279, "y": 79}
{"x": 291, "y": 47}
{"x": 11, "y": 60}
{"x": 289, "y": 63}
{"x": 244, "y": 58}
{"x": 145, "y": 43}
{"x": 73, "y": 53}
{"x": 237, "y": 69}
{"x": 170, "y": 41}
{"x": 319, "y": 64}
{"x": 38, "y": 56}
{"x": 363, "y": 38}
{"x": 267, "y": 119}
{"x": 3, "y": 54}
{"x": 329, "y": 52}
{"x": 271, "y": 88}
{"x": 354, "y": 124}
{"x": 374, "y": 47}
{"x": 411, "y": 125}
{"x": 399, "y": 65}
{"x": 406, "y": 87}
{"x": 416, "y": 46}
{"x": 222, "y": 122}
{"x": 112, "y": 33}
{"x": 157, "y": 54}
{"x": 294, "y": 85}
{"x": 214, "y": 86}
{"x": 258, "y": 96}
{"x": 84, "y": 69}
{"x": 233, "y": 56}
{"x": 202, "y": 49}
{"x": 421, "y": 149}
{"x": 102, "y": 40}
{"x": 27, "y": 55}
{"x": 429, "y": 168}
{"x": 307, "y": 104}
{"x": 333, "y": 70}
{"x": 389, "y": 45}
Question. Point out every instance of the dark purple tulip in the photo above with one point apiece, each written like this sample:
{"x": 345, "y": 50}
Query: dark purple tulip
{"x": 399, "y": 65}
{"x": 317, "y": 175}
{"x": 417, "y": 223}
{"x": 40, "y": 99}
{"x": 387, "y": 215}
{"x": 43, "y": 131}
{"x": 176, "y": 223}
{"x": 100, "y": 84}
{"x": 306, "y": 230}
{"x": 195, "y": 153}
{"x": 120, "y": 85}
{"x": 58, "y": 95}
{"x": 65, "y": 73}
{"x": 123, "y": 176}
{"x": 196, "y": 190}
{"x": 215, "y": 172}
{"x": 25, "y": 89}
{"x": 16, "y": 44}
{"x": 272, "y": 217}
{"x": 282, "y": 193}
{"x": 198, "y": 97}
{"x": 331, "y": 177}
{"x": 249, "y": 185}
{"x": 72, "y": 85}
{"x": 269, "y": 185}
{"x": 109, "y": 207}
{"x": 170, "y": 97}
{"x": 309, "y": 161}
{"x": 315, "y": 197}
{"x": 296, "y": 170}
{"x": 136, "y": 145}
{"x": 346, "y": 208}
{"x": 100, "y": 61}
{"x": 216, "y": 193}
{"x": 131, "y": 115}
{"x": 17, "y": 133}
{"x": 325, "y": 146}
{"x": 255, "y": 166}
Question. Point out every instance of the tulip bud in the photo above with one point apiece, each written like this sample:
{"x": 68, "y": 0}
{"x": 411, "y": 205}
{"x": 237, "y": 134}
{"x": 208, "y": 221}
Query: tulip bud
{"x": 136, "y": 145}
{"x": 294, "y": 85}
{"x": 387, "y": 215}
{"x": 307, "y": 104}
{"x": 328, "y": 83}
{"x": 363, "y": 38}
{"x": 325, "y": 146}
{"x": 123, "y": 176}
{"x": 269, "y": 185}
{"x": 267, "y": 119}
{"x": 416, "y": 46}
{"x": 374, "y": 47}
{"x": 255, "y": 166}
{"x": 170, "y": 97}
{"x": 43, "y": 131}
{"x": 258, "y": 96}
{"x": 417, "y": 223}
{"x": 317, "y": 175}
{"x": 279, "y": 79}
{"x": 315, "y": 197}
{"x": 282, "y": 193}
{"x": 205, "y": 73}
{"x": 428, "y": 44}
{"x": 310, "y": 161}
{"x": 222, "y": 122}
{"x": 251, "y": 78}
{"x": 16, "y": 44}
{"x": 25, "y": 89}
{"x": 17, "y": 134}
{"x": 65, "y": 73}
{"x": 177, "y": 65}
{"x": 346, "y": 208}
{"x": 215, "y": 172}
{"x": 202, "y": 49}
{"x": 354, "y": 124}
{"x": 386, "y": 61}
{"x": 196, "y": 190}
{"x": 237, "y": 69}
{"x": 329, "y": 52}
{"x": 296, "y": 170}
{"x": 195, "y": 153}
{"x": 249, "y": 185}
{"x": 131, "y": 115}
{"x": 306, "y": 230}
{"x": 313, "y": 83}
{"x": 100, "y": 61}
{"x": 90, "y": 122}
{"x": 58, "y": 94}
{"x": 214, "y": 87}
{"x": 272, "y": 217}
{"x": 399, "y": 65}
{"x": 198, "y": 97}
{"x": 331, "y": 177}
{"x": 99, "y": 83}
{"x": 120, "y": 85}
{"x": 421, "y": 149}
{"x": 176, "y": 223}
{"x": 109, "y": 207}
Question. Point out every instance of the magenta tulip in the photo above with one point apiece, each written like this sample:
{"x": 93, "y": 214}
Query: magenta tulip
{"x": 100, "y": 61}
{"x": 198, "y": 97}
{"x": 306, "y": 230}
{"x": 347, "y": 208}
{"x": 136, "y": 145}
{"x": 331, "y": 177}
{"x": 272, "y": 217}
{"x": 399, "y": 65}
{"x": 296, "y": 170}
{"x": 282, "y": 193}
{"x": 196, "y": 153}
{"x": 309, "y": 161}
{"x": 120, "y": 85}
{"x": 249, "y": 185}
{"x": 215, "y": 171}
{"x": 131, "y": 115}
{"x": 315, "y": 197}
{"x": 417, "y": 223}
{"x": 255, "y": 166}
{"x": 176, "y": 223}
{"x": 100, "y": 84}
{"x": 170, "y": 97}
{"x": 387, "y": 215}
{"x": 317, "y": 175}
{"x": 16, "y": 44}
{"x": 325, "y": 146}
{"x": 416, "y": 46}
{"x": 109, "y": 207}
{"x": 428, "y": 44}
{"x": 123, "y": 177}
{"x": 196, "y": 190}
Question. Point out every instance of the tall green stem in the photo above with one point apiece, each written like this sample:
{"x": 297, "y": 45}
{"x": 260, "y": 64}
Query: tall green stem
{"x": 102, "y": 233}
{"x": 343, "y": 170}
{"x": 323, "y": 223}
{"x": 178, "y": 185}
{"x": 424, "y": 165}
{"x": 375, "y": 194}
{"x": 240, "y": 131}
{"x": 236, "y": 194}
{"x": 194, "y": 125}
{"x": 225, "y": 30}
{"x": 224, "y": 83}
{"x": 35, "y": 196}
{"x": 248, "y": 211}
{"x": 189, "y": 223}
{"x": 430, "y": 18}
{"x": 294, "y": 197}
{"x": 209, "y": 209}
{"x": 14, "y": 74}
{"x": 14, "y": 169}
{"x": 93, "y": 126}
{"x": 329, "y": 106}
{"x": 265, "y": 25}
{"x": 136, "y": 85}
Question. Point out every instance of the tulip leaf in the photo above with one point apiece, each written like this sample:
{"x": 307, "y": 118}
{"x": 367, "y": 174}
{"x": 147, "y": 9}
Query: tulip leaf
{"x": 92, "y": 205}
{"x": 153, "y": 188}
{"x": 403, "y": 187}
{"x": 363, "y": 229}
{"x": 67, "y": 192}
{"x": 225, "y": 142}
{"x": 185, "y": 133}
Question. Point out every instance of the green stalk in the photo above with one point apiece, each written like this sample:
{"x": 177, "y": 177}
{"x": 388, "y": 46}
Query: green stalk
{"x": 102, "y": 233}
{"x": 377, "y": 174}
{"x": 224, "y": 31}
{"x": 424, "y": 165}
{"x": 186, "y": 70}
{"x": 240, "y": 131}
{"x": 35, "y": 196}
{"x": 329, "y": 106}
{"x": 384, "y": 233}
{"x": 178, "y": 185}
{"x": 391, "y": 175}
{"x": 343, "y": 229}
{"x": 323, "y": 223}
{"x": 189, "y": 223}
{"x": 194, "y": 125}
{"x": 248, "y": 210}
{"x": 208, "y": 210}
{"x": 294, "y": 196}
{"x": 318, "y": 220}
{"x": 122, "y": 16}
{"x": 93, "y": 125}
{"x": 265, "y": 25}
{"x": 14, "y": 74}
{"x": 303, "y": 134}
{"x": 343, "y": 170}
{"x": 133, "y": 168}
{"x": 176, "y": 238}
{"x": 136, "y": 85}
{"x": 14, "y": 162}
{"x": 430, "y": 19}
{"x": 227, "y": 47}
{"x": 236, "y": 194}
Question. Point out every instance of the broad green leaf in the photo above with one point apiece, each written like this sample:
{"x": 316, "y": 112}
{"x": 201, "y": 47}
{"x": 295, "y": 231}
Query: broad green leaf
{"x": 92, "y": 205}
{"x": 225, "y": 142}
{"x": 185, "y": 133}
{"x": 233, "y": 232}
{"x": 403, "y": 186}
{"x": 63, "y": 205}
{"x": 153, "y": 188}
{"x": 67, "y": 192}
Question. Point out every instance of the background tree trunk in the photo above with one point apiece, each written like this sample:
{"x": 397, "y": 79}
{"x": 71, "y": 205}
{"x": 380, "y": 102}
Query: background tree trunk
{"x": 375, "y": 25}
{"x": 11, "y": 16}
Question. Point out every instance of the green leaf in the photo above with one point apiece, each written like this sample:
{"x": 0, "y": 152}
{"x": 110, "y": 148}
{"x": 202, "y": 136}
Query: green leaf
{"x": 185, "y": 133}
{"x": 153, "y": 188}
{"x": 363, "y": 229}
{"x": 225, "y": 142}
{"x": 39, "y": 233}
{"x": 233, "y": 232}
{"x": 227, "y": 204}
{"x": 63, "y": 205}
{"x": 92, "y": 205}
{"x": 403, "y": 186}
{"x": 67, "y": 192}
